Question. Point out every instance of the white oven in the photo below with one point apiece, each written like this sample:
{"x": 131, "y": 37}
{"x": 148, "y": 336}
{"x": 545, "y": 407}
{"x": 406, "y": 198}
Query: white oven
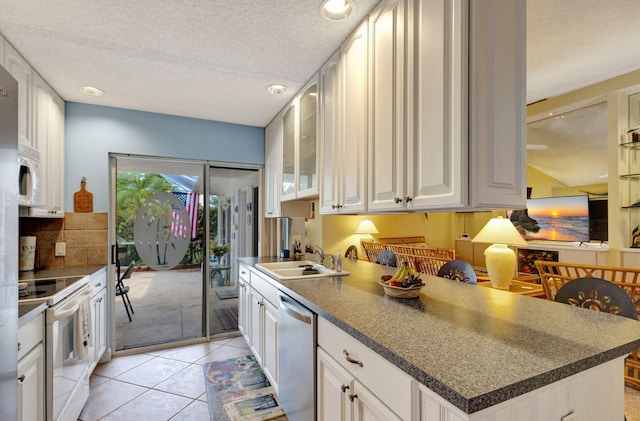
{"x": 29, "y": 176}
{"x": 68, "y": 341}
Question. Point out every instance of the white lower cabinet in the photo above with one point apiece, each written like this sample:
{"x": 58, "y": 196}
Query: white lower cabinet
{"x": 342, "y": 397}
{"x": 31, "y": 374}
{"x": 243, "y": 302}
{"x": 99, "y": 319}
{"x": 261, "y": 327}
{"x": 355, "y": 383}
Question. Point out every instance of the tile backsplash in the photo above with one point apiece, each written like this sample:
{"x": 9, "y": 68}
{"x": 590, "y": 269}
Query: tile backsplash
{"x": 85, "y": 235}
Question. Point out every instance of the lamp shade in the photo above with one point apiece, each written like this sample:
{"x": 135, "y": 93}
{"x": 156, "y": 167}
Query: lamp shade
{"x": 366, "y": 227}
{"x": 499, "y": 230}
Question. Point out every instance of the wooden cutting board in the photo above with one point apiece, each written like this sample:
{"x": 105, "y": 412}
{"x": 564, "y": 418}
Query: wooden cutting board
{"x": 82, "y": 199}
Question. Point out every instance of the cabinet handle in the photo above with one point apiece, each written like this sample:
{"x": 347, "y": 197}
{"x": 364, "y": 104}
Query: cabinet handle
{"x": 397, "y": 200}
{"x": 352, "y": 397}
{"x": 351, "y": 360}
{"x": 333, "y": 206}
{"x": 21, "y": 378}
{"x": 98, "y": 284}
{"x": 344, "y": 388}
{"x": 408, "y": 199}
{"x": 19, "y": 346}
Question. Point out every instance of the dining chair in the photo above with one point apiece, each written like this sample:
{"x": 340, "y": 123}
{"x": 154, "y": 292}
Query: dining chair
{"x": 458, "y": 270}
{"x": 387, "y": 258}
{"x": 599, "y": 295}
{"x": 121, "y": 289}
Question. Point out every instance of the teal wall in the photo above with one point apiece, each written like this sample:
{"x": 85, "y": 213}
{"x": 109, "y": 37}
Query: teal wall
{"x": 92, "y": 132}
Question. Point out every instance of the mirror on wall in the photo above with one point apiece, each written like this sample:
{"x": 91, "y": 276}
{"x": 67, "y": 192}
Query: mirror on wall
{"x": 570, "y": 147}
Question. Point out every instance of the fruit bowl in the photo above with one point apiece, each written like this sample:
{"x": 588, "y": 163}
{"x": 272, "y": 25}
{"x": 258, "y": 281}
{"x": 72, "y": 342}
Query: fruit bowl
{"x": 399, "y": 292}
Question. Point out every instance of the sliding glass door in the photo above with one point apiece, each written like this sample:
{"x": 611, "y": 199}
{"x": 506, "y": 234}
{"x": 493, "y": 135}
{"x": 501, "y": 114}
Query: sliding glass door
{"x": 159, "y": 230}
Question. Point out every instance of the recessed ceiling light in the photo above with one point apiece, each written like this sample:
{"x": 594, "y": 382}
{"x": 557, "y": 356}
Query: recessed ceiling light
{"x": 90, "y": 90}
{"x": 277, "y": 89}
{"x": 336, "y": 9}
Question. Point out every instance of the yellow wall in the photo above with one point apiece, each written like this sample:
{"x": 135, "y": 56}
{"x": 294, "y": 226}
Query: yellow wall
{"x": 542, "y": 184}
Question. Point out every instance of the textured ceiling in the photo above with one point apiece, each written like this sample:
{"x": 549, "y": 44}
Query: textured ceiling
{"x": 213, "y": 59}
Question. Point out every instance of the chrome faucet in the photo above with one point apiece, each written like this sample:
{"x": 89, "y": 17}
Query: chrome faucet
{"x": 318, "y": 250}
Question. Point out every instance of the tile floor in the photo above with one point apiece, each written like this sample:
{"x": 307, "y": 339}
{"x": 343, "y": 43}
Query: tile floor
{"x": 158, "y": 385}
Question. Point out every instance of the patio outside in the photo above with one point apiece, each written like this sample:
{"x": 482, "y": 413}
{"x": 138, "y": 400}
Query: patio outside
{"x": 168, "y": 307}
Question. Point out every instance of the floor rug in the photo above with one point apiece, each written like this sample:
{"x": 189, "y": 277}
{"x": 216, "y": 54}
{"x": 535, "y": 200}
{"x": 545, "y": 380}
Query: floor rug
{"x": 228, "y": 317}
{"x": 237, "y": 390}
{"x": 225, "y": 294}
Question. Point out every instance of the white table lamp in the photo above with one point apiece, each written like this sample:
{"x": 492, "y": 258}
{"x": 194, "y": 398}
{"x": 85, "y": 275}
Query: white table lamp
{"x": 499, "y": 258}
{"x": 366, "y": 227}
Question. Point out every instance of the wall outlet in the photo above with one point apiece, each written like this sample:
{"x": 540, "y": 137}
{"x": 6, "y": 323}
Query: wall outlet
{"x": 61, "y": 249}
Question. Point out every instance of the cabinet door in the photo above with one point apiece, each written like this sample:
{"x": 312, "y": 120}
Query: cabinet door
{"x": 31, "y": 398}
{"x": 436, "y": 110}
{"x": 55, "y": 158}
{"x": 386, "y": 107}
{"x": 243, "y": 302}
{"x": 307, "y": 174}
{"x": 367, "y": 407}
{"x": 270, "y": 357}
{"x": 99, "y": 322}
{"x": 333, "y": 388}
{"x": 289, "y": 122}
{"x": 352, "y": 127}
{"x": 497, "y": 104}
{"x": 331, "y": 162}
{"x": 255, "y": 324}
{"x": 272, "y": 183}
{"x": 21, "y": 71}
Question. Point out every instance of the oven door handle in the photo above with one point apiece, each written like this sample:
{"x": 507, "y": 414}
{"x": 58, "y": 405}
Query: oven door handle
{"x": 63, "y": 311}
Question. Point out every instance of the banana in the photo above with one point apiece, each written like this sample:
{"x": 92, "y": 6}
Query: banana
{"x": 400, "y": 274}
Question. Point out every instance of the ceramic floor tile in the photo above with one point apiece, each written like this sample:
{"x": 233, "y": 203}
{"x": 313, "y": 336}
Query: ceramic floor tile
{"x": 119, "y": 365}
{"x": 151, "y": 405}
{"x": 95, "y": 381}
{"x": 224, "y": 353}
{"x": 196, "y": 411}
{"x": 188, "y": 382}
{"x": 191, "y": 353}
{"x": 203, "y": 397}
{"x": 107, "y": 397}
{"x": 238, "y": 342}
{"x": 152, "y": 372}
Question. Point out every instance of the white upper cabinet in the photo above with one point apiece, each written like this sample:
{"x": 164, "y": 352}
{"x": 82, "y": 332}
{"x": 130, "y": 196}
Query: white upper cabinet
{"x": 48, "y": 134}
{"x": 453, "y": 139}
{"x": 343, "y": 122}
{"x": 386, "y": 144}
{"x": 497, "y": 103}
{"x": 289, "y": 140}
{"x": 307, "y": 151}
{"x": 21, "y": 71}
{"x": 272, "y": 153}
{"x": 299, "y": 145}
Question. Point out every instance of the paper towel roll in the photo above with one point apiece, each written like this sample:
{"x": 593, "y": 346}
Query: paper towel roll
{"x": 27, "y": 253}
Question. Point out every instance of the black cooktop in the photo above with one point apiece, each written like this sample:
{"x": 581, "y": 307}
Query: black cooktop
{"x": 42, "y": 289}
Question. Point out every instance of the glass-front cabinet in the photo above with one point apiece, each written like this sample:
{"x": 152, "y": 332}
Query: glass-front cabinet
{"x": 289, "y": 152}
{"x": 299, "y": 145}
{"x": 308, "y": 173}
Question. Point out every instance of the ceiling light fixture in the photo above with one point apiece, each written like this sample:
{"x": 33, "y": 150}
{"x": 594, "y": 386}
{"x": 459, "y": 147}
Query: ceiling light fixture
{"x": 90, "y": 90}
{"x": 534, "y": 147}
{"x": 336, "y": 9}
{"x": 277, "y": 89}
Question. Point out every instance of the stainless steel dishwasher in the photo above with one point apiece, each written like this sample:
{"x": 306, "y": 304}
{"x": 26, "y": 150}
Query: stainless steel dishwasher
{"x": 296, "y": 359}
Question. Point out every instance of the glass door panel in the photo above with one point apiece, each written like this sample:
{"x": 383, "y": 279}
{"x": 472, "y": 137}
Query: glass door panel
{"x": 233, "y": 216}
{"x": 288, "y": 151}
{"x": 307, "y": 177}
{"x": 159, "y": 229}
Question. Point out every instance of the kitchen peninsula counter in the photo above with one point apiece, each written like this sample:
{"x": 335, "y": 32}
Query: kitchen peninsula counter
{"x": 475, "y": 347}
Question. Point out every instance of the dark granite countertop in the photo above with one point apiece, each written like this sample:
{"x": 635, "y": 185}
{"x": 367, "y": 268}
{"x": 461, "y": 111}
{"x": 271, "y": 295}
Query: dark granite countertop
{"x": 60, "y": 272}
{"x": 27, "y": 312}
{"x": 476, "y": 347}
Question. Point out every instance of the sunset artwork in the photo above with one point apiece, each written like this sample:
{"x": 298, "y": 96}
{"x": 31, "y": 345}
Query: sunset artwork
{"x": 559, "y": 218}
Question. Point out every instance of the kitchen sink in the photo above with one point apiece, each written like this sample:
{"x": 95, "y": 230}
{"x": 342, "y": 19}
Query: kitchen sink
{"x": 294, "y": 270}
